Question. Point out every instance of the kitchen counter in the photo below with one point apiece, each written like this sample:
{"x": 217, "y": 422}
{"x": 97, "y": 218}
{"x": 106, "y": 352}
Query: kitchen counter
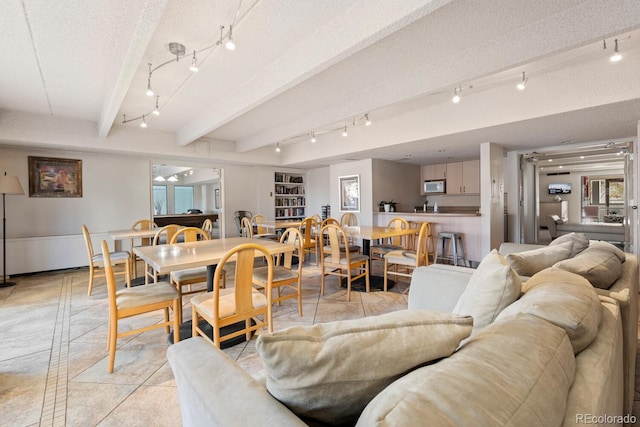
{"x": 467, "y": 223}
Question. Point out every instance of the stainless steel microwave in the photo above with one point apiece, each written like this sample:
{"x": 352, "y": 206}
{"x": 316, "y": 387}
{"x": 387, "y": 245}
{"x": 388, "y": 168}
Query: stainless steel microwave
{"x": 435, "y": 186}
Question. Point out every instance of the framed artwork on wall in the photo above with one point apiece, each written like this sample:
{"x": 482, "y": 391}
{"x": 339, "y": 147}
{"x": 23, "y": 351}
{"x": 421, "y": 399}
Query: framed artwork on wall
{"x": 51, "y": 177}
{"x": 349, "y": 193}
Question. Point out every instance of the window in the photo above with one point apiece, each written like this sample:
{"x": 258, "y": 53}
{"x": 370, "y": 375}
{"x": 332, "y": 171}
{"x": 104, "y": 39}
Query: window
{"x": 160, "y": 199}
{"x": 183, "y": 198}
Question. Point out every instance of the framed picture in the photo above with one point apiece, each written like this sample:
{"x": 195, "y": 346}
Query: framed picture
{"x": 350, "y": 193}
{"x": 51, "y": 177}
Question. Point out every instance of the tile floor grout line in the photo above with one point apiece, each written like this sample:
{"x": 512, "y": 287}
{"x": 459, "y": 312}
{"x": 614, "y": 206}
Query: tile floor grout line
{"x": 54, "y": 406}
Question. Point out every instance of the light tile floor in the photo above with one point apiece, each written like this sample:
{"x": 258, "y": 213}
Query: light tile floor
{"x": 53, "y": 357}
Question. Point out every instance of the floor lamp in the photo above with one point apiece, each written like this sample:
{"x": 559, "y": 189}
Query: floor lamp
{"x": 8, "y": 185}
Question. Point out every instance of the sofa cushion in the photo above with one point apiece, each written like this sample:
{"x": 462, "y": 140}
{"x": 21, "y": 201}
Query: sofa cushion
{"x": 606, "y": 246}
{"x": 329, "y": 372}
{"x": 528, "y": 263}
{"x": 578, "y": 242}
{"x": 600, "y": 266}
{"x": 517, "y": 372}
{"x": 564, "y": 299}
{"x": 492, "y": 287}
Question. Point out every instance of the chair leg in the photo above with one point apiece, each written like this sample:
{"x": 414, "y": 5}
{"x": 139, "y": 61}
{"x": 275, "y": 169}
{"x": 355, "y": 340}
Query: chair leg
{"x": 112, "y": 337}
{"x": 366, "y": 276}
{"x": 348, "y": 284}
{"x": 91, "y": 276}
{"x": 386, "y": 268}
{"x": 127, "y": 272}
{"x": 194, "y": 322}
{"x": 167, "y": 329}
{"x": 176, "y": 321}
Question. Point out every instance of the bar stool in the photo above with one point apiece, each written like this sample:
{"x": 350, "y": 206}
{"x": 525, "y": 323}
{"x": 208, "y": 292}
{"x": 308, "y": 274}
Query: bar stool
{"x": 456, "y": 248}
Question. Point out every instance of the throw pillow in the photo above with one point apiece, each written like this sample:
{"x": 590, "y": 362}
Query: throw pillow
{"x": 606, "y": 246}
{"x": 329, "y": 372}
{"x": 577, "y": 241}
{"x": 492, "y": 287}
{"x": 512, "y": 373}
{"x": 528, "y": 263}
{"x": 600, "y": 266}
{"x": 564, "y": 299}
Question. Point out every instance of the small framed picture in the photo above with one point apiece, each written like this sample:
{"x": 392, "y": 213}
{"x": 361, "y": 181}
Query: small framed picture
{"x": 350, "y": 193}
{"x": 51, "y": 177}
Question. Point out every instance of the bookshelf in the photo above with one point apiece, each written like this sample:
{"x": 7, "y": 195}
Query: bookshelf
{"x": 290, "y": 198}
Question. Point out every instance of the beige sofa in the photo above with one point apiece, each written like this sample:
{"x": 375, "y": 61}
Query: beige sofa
{"x": 610, "y": 232}
{"x": 547, "y": 351}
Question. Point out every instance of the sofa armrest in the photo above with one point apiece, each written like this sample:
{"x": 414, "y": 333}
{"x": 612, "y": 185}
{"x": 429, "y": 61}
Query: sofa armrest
{"x": 214, "y": 391}
{"x": 438, "y": 287}
{"x": 552, "y": 227}
{"x": 507, "y": 248}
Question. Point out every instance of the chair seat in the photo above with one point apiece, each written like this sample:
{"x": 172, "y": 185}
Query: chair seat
{"x": 265, "y": 236}
{"x": 115, "y": 256}
{"x": 279, "y": 274}
{"x": 204, "y": 302}
{"x": 401, "y": 257}
{"x": 144, "y": 295}
{"x": 354, "y": 258}
{"x": 190, "y": 274}
{"x": 352, "y": 248}
{"x": 383, "y": 249}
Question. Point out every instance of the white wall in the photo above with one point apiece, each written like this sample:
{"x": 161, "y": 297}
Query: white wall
{"x": 318, "y": 190}
{"x": 398, "y": 182}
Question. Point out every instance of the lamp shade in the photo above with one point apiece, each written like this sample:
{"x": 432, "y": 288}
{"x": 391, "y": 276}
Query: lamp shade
{"x": 10, "y": 185}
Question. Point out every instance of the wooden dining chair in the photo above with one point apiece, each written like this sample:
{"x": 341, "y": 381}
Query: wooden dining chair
{"x": 409, "y": 259}
{"x": 207, "y": 226}
{"x": 240, "y": 303}
{"x": 162, "y": 237}
{"x": 309, "y": 229}
{"x": 246, "y": 228}
{"x": 348, "y": 219}
{"x": 131, "y": 302}
{"x": 143, "y": 224}
{"x": 285, "y": 273}
{"x": 96, "y": 261}
{"x": 190, "y": 276}
{"x": 392, "y": 243}
{"x": 340, "y": 263}
{"x": 260, "y": 231}
{"x": 348, "y": 244}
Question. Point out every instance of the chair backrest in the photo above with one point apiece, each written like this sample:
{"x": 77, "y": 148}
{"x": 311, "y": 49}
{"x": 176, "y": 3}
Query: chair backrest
{"x": 245, "y": 255}
{"x": 336, "y": 237}
{"x": 294, "y": 237}
{"x": 317, "y": 217}
{"x": 246, "y": 228}
{"x": 238, "y": 218}
{"x": 207, "y": 226}
{"x": 348, "y": 219}
{"x": 111, "y": 281}
{"x": 308, "y": 226}
{"x": 168, "y": 231}
{"x": 422, "y": 256}
{"x": 329, "y": 221}
{"x": 398, "y": 223}
{"x": 87, "y": 242}
{"x": 256, "y": 221}
{"x": 191, "y": 234}
{"x": 144, "y": 224}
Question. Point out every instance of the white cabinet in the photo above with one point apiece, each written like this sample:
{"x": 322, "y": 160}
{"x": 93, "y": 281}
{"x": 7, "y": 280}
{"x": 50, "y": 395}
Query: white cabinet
{"x": 290, "y": 199}
{"x": 463, "y": 177}
{"x": 431, "y": 172}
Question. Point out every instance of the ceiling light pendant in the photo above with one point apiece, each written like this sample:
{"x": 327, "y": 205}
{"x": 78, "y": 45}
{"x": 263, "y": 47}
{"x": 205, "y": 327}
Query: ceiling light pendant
{"x": 313, "y": 137}
{"x": 277, "y": 147}
{"x": 616, "y": 55}
{"x": 172, "y": 178}
{"x": 149, "y": 90}
{"x": 159, "y": 178}
{"x": 156, "y": 111}
{"x": 456, "y": 95}
{"x": 144, "y": 123}
{"x": 194, "y": 63}
{"x": 367, "y": 121}
{"x": 344, "y": 132}
{"x": 230, "y": 45}
{"x": 523, "y": 83}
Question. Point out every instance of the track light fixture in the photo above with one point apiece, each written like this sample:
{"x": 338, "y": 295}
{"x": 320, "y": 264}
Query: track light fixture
{"x": 313, "y": 137}
{"x": 523, "y": 83}
{"x": 456, "y": 95}
{"x": 367, "y": 122}
{"x": 144, "y": 122}
{"x": 344, "y": 132}
{"x": 616, "y": 55}
{"x": 178, "y": 50}
{"x": 277, "y": 147}
{"x": 156, "y": 111}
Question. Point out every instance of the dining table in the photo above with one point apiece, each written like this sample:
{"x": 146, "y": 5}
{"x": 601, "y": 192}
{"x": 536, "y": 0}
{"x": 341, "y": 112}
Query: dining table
{"x": 179, "y": 256}
{"x": 128, "y": 234}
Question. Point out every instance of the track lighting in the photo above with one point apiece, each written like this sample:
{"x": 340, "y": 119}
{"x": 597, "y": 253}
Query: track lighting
{"x": 367, "y": 121}
{"x": 149, "y": 90}
{"x": 156, "y": 111}
{"x": 194, "y": 63}
{"x": 523, "y": 83}
{"x": 277, "y": 147}
{"x": 230, "y": 44}
{"x": 144, "y": 122}
{"x": 313, "y": 137}
{"x": 172, "y": 178}
{"x": 344, "y": 132}
{"x": 456, "y": 95}
{"x": 616, "y": 55}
